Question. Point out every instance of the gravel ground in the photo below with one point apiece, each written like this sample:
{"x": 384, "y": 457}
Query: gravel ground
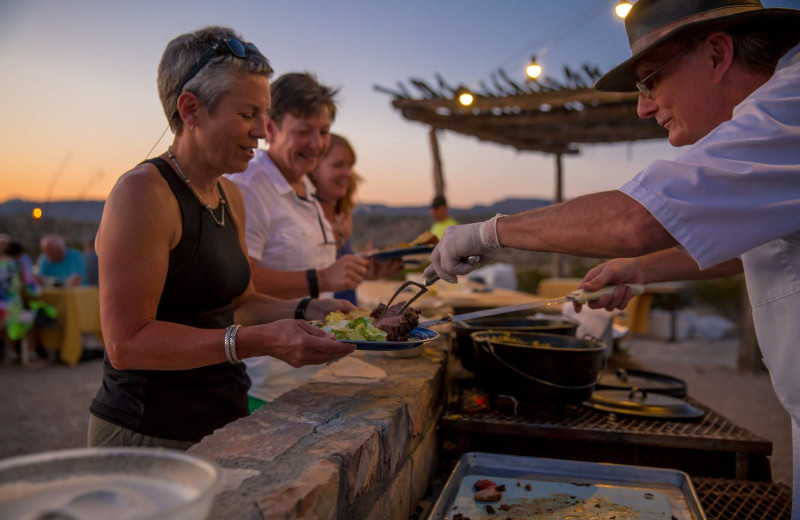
{"x": 45, "y": 407}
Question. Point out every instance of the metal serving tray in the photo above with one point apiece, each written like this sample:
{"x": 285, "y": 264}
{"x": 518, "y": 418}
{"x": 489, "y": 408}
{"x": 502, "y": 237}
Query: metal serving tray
{"x": 618, "y": 481}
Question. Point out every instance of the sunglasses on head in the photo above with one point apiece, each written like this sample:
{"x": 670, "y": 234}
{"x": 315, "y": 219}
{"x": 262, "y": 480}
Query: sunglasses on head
{"x": 234, "y": 46}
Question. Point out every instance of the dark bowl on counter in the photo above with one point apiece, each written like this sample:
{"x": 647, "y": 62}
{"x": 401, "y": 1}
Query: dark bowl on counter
{"x": 537, "y": 368}
{"x": 464, "y": 348}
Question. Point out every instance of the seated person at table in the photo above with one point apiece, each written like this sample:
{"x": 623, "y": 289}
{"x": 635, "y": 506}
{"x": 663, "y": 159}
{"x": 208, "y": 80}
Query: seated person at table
{"x": 90, "y": 259}
{"x": 177, "y": 303}
{"x": 292, "y": 246}
{"x": 60, "y": 265}
{"x": 441, "y": 220}
{"x": 19, "y": 312}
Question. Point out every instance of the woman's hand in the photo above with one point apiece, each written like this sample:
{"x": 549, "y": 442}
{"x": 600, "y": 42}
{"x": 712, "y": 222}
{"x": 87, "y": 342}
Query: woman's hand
{"x": 292, "y": 341}
{"x": 380, "y": 269}
{"x": 319, "y": 308}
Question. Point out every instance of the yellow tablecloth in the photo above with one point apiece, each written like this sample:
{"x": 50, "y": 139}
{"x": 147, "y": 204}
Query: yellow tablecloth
{"x": 78, "y": 312}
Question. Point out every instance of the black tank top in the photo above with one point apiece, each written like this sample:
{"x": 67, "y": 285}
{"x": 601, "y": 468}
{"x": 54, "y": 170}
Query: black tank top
{"x": 207, "y": 270}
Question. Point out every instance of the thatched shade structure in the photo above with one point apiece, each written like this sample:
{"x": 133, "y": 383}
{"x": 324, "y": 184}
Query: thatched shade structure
{"x": 537, "y": 115}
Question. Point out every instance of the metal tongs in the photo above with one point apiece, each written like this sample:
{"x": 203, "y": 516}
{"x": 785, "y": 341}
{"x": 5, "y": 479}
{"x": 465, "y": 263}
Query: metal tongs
{"x": 423, "y": 287}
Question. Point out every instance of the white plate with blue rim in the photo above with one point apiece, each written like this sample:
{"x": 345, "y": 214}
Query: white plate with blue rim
{"x": 402, "y": 251}
{"x": 417, "y": 337}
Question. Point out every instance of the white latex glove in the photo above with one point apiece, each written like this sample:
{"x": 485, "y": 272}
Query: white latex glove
{"x": 460, "y": 242}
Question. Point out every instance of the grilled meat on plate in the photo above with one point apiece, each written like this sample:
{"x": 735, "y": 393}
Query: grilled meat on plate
{"x": 397, "y": 327}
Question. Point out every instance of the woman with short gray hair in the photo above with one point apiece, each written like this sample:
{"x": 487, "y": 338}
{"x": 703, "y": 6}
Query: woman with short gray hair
{"x": 178, "y": 308}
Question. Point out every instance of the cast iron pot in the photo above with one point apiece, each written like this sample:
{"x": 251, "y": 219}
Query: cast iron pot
{"x": 537, "y": 368}
{"x": 464, "y": 329}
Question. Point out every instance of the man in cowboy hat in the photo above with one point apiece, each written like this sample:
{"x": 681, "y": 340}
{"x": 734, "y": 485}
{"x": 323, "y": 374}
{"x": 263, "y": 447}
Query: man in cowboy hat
{"x": 722, "y": 76}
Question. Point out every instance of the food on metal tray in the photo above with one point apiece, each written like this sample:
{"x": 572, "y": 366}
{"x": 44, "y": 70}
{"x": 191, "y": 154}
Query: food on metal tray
{"x": 554, "y": 501}
{"x": 490, "y": 494}
{"x": 557, "y": 507}
{"x": 488, "y": 491}
{"x": 483, "y": 484}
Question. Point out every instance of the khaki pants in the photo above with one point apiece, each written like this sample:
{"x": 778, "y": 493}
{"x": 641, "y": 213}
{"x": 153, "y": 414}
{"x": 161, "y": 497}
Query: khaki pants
{"x": 105, "y": 434}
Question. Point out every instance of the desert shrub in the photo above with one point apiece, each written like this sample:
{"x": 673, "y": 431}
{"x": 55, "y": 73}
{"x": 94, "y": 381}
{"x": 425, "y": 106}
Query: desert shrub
{"x": 528, "y": 278}
{"x": 724, "y": 295}
{"x": 578, "y": 267}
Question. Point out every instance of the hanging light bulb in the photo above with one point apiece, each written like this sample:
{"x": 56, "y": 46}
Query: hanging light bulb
{"x": 622, "y": 9}
{"x": 533, "y": 70}
{"x": 465, "y": 97}
{"x": 37, "y": 213}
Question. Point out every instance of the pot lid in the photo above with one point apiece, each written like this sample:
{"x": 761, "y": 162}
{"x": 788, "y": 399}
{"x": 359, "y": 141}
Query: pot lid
{"x": 640, "y": 403}
{"x": 626, "y": 379}
{"x": 517, "y": 322}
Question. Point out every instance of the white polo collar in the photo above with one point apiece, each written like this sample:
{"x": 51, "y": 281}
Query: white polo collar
{"x": 277, "y": 179}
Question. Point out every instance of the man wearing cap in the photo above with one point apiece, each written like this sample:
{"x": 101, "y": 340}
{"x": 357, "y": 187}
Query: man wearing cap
{"x": 441, "y": 220}
{"x": 722, "y": 76}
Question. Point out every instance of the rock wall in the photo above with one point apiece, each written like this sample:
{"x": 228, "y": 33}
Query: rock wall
{"x": 335, "y": 450}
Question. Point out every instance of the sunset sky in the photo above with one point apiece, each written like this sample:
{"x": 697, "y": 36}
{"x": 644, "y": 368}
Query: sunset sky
{"x": 79, "y": 103}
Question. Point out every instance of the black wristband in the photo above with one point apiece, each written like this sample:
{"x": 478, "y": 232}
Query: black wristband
{"x": 313, "y": 283}
{"x": 300, "y": 311}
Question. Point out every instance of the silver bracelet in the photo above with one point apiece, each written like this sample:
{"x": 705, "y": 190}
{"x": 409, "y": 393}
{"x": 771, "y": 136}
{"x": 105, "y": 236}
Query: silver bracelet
{"x": 230, "y": 344}
{"x": 234, "y": 357}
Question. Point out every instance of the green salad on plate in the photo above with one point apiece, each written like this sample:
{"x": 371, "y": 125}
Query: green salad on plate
{"x": 357, "y": 327}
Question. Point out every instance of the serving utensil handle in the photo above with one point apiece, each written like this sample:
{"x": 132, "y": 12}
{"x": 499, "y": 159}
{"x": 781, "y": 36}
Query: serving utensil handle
{"x": 581, "y": 296}
{"x": 471, "y": 260}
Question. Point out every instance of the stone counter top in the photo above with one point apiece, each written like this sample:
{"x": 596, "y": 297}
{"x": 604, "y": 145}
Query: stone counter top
{"x": 335, "y": 450}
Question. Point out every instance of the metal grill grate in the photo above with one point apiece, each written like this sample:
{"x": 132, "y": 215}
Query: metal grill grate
{"x": 712, "y": 446}
{"x": 474, "y": 404}
{"x": 724, "y": 499}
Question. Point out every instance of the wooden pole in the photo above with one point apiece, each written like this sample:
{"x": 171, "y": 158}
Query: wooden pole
{"x": 559, "y": 179}
{"x": 556, "y": 267}
{"x": 438, "y": 175}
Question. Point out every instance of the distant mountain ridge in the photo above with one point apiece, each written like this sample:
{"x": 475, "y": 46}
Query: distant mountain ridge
{"x": 74, "y": 210}
{"x": 92, "y": 210}
{"x": 506, "y": 206}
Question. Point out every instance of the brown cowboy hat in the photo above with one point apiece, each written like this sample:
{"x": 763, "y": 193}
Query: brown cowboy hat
{"x": 652, "y": 22}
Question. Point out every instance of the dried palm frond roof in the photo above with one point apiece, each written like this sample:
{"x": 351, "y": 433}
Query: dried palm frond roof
{"x": 542, "y": 115}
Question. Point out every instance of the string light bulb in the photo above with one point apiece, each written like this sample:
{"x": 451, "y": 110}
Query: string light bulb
{"x": 37, "y": 213}
{"x": 533, "y": 70}
{"x": 622, "y": 9}
{"x": 465, "y": 97}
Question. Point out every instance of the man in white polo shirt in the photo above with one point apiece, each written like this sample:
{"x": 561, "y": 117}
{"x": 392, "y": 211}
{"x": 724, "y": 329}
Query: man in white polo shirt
{"x": 291, "y": 245}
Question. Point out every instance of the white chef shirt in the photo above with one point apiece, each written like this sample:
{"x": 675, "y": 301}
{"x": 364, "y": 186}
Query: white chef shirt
{"x": 736, "y": 193}
{"x": 284, "y": 232}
